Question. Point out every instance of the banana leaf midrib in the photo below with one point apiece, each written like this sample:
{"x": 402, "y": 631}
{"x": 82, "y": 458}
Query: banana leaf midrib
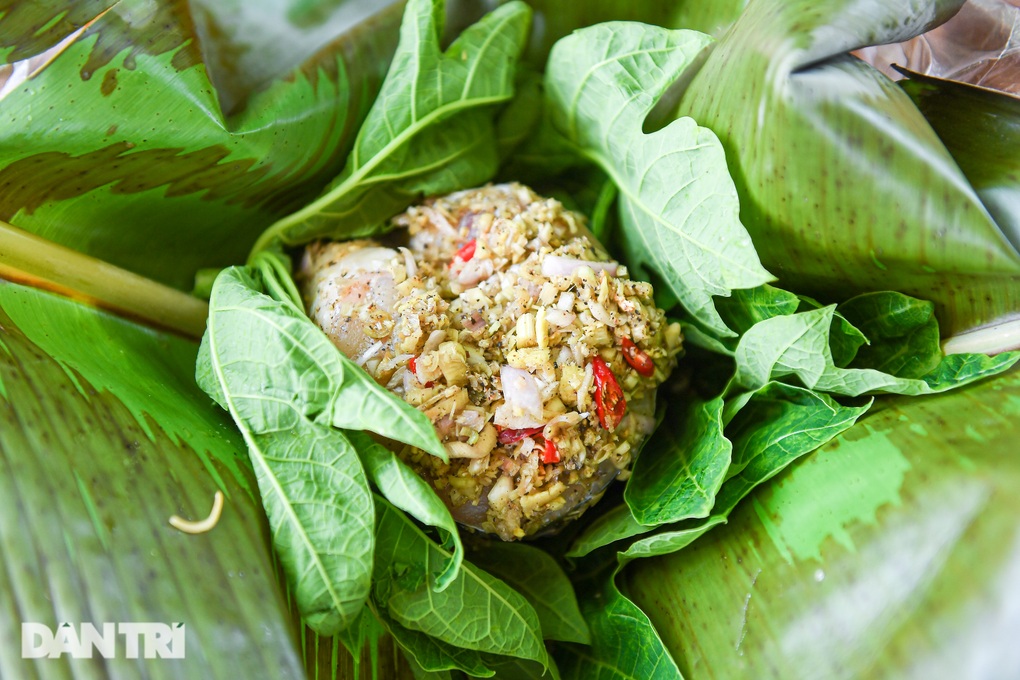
{"x": 31, "y": 260}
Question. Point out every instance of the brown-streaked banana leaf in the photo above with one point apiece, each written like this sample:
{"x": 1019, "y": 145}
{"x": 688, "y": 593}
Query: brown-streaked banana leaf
{"x": 155, "y": 231}
{"x": 843, "y": 185}
{"x": 892, "y": 552}
{"x": 165, "y": 136}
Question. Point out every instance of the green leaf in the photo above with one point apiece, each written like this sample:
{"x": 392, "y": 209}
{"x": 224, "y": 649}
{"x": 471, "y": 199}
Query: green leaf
{"x": 477, "y": 612}
{"x": 363, "y": 633}
{"x": 625, "y": 645}
{"x": 520, "y": 117}
{"x": 432, "y": 655}
{"x": 430, "y": 130}
{"x": 745, "y": 308}
{"x": 670, "y": 540}
{"x": 677, "y": 202}
{"x": 103, "y": 436}
{"x": 873, "y": 557}
{"x": 778, "y": 424}
{"x": 519, "y": 669}
{"x": 403, "y": 487}
{"x": 682, "y": 467}
{"x": 313, "y": 487}
{"x": 902, "y": 330}
{"x": 535, "y": 574}
{"x": 797, "y": 345}
{"x": 291, "y": 370}
{"x": 615, "y": 525}
{"x": 981, "y": 129}
{"x": 769, "y": 429}
{"x": 843, "y": 185}
{"x": 558, "y": 19}
{"x": 164, "y": 137}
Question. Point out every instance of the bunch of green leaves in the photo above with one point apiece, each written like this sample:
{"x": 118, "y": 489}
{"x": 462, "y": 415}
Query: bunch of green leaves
{"x": 794, "y": 370}
{"x": 340, "y": 503}
{"x": 164, "y": 137}
{"x": 842, "y": 188}
{"x": 791, "y": 362}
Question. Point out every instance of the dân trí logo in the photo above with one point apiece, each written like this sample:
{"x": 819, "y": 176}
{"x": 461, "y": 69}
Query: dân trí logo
{"x": 107, "y": 640}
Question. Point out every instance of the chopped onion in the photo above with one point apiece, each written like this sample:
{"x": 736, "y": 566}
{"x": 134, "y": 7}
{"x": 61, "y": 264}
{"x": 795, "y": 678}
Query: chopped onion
{"x": 499, "y": 494}
{"x": 559, "y": 318}
{"x": 522, "y": 405}
{"x": 409, "y": 264}
{"x": 475, "y": 270}
{"x": 600, "y": 313}
{"x": 437, "y": 219}
{"x": 562, "y": 421}
{"x": 369, "y": 353}
{"x": 557, "y": 265}
{"x": 436, "y": 338}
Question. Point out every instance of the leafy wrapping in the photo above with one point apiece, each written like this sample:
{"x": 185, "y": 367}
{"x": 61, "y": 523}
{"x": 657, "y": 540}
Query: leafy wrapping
{"x": 624, "y": 645}
{"x": 163, "y": 137}
{"x": 843, "y": 185}
{"x": 874, "y": 555}
{"x": 477, "y": 612}
{"x": 292, "y": 370}
{"x": 765, "y": 431}
{"x": 104, "y": 435}
{"x": 677, "y": 203}
{"x": 313, "y": 487}
{"x": 432, "y": 655}
{"x": 798, "y": 345}
{"x": 430, "y": 129}
{"x": 537, "y": 576}
{"x": 681, "y": 469}
{"x": 403, "y": 487}
{"x": 981, "y": 128}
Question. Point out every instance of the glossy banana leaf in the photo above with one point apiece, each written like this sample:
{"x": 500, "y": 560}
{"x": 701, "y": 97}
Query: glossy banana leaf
{"x": 892, "y": 552}
{"x": 104, "y": 436}
{"x": 981, "y": 128}
{"x": 101, "y": 447}
{"x": 554, "y": 20}
{"x": 165, "y": 136}
{"x": 844, "y": 186}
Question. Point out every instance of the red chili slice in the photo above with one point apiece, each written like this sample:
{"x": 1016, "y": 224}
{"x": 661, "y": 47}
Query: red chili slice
{"x": 550, "y": 454}
{"x": 638, "y": 358}
{"x": 412, "y": 364}
{"x": 507, "y": 437}
{"x": 467, "y": 251}
{"x": 610, "y": 403}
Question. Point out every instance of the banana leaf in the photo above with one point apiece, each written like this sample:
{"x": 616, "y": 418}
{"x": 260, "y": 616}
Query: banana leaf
{"x": 147, "y": 129}
{"x": 843, "y": 186}
{"x": 104, "y": 436}
{"x": 981, "y": 128}
{"x": 555, "y": 20}
{"x": 257, "y": 95}
{"x": 892, "y": 552}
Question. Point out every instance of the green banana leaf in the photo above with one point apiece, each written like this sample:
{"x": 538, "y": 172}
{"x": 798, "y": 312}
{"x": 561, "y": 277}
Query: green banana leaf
{"x": 100, "y": 446}
{"x": 843, "y": 186}
{"x": 104, "y": 436}
{"x": 891, "y": 552}
{"x": 981, "y": 128}
{"x": 148, "y": 129}
{"x": 555, "y": 20}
